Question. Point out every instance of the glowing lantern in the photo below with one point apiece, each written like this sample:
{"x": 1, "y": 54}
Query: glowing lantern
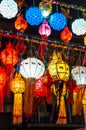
{"x": 79, "y": 74}
{"x": 17, "y": 87}
{"x": 2, "y": 84}
{"x": 44, "y": 30}
{"x": 66, "y": 35}
{"x": 8, "y": 8}
{"x": 20, "y": 3}
{"x": 85, "y": 40}
{"x": 9, "y": 57}
{"x": 20, "y": 24}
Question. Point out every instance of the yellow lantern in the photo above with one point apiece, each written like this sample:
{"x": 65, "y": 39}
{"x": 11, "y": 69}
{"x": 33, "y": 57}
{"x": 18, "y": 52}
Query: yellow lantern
{"x": 85, "y": 40}
{"x": 17, "y": 87}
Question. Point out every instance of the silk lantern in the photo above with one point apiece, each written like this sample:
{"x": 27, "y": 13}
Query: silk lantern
{"x": 20, "y": 23}
{"x": 66, "y": 35}
{"x": 9, "y": 57}
{"x": 44, "y": 30}
{"x": 17, "y": 87}
{"x": 2, "y": 86}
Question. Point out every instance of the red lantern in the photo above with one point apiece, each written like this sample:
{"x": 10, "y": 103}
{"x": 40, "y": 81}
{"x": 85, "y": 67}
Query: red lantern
{"x": 66, "y": 35}
{"x": 45, "y": 30}
{"x": 2, "y": 84}
{"x": 20, "y": 24}
{"x": 9, "y": 57}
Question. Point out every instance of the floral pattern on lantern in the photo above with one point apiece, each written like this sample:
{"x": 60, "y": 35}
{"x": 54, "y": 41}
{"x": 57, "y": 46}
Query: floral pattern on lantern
{"x": 66, "y": 35}
{"x": 34, "y": 16}
{"x": 44, "y": 30}
{"x": 58, "y": 21}
{"x": 17, "y": 87}
{"x": 20, "y": 24}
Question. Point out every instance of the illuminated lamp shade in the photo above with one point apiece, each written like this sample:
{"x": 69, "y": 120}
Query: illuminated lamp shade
{"x": 46, "y": 8}
{"x": 79, "y": 74}
{"x": 59, "y": 69}
{"x": 34, "y": 16}
{"x": 85, "y": 40}
{"x": 17, "y": 87}
{"x": 79, "y": 26}
{"x": 44, "y": 30}
{"x": 66, "y": 35}
{"x": 32, "y": 68}
{"x": 20, "y": 24}
{"x": 57, "y": 21}
{"x": 8, "y": 8}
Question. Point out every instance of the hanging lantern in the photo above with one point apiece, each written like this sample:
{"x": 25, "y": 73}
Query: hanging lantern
{"x": 79, "y": 74}
{"x": 2, "y": 85}
{"x": 20, "y": 24}
{"x": 17, "y": 87}
{"x": 20, "y": 3}
{"x": 44, "y": 30}
{"x": 85, "y": 40}
{"x": 8, "y": 8}
{"x": 66, "y": 35}
{"x": 84, "y": 60}
{"x": 9, "y": 57}
{"x": 45, "y": 7}
{"x": 58, "y": 68}
{"x": 58, "y": 21}
{"x": 34, "y": 16}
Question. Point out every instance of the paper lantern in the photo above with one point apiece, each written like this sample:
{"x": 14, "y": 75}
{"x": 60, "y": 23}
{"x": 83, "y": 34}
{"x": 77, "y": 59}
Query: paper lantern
{"x": 57, "y": 21}
{"x": 44, "y": 30}
{"x": 20, "y": 24}
{"x": 66, "y": 35}
{"x": 32, "y": 68}
{"x": 34, "y": 16}
{"x": 79, "y": 74}
{"x": 17, "y": 87}
{"x": 8, "y": 8}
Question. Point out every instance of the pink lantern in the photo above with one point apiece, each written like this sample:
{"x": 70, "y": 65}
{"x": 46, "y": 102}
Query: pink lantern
{"x": 45, "y": 30}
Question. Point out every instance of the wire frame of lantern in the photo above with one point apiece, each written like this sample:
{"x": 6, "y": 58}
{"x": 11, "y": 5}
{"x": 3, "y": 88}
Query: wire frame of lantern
{"x": 32, "y": 68}
{"x": 79, "y": 74}
{"x": 8, "y": 8}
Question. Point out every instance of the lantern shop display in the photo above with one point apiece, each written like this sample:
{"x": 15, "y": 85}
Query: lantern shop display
{"x": 17, "y": 87}
{"x": 9, "y": 58}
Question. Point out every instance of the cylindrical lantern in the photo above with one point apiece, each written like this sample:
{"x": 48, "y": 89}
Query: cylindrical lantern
{"x": 79, "y": 74}
{"x": 44, "y": 30}
{"x": 66, "y": 35}
{"x": 20, "y": 24}
{"x": 17, "y": 87}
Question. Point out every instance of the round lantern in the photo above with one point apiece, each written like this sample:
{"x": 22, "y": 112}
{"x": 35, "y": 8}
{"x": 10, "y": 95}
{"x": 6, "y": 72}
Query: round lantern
{"x": 58, "y": 21}
{"x": 32, "y": 68}
{"x": 79, "y": 74}
{"x": 20, "y": 23}
{"x": 34, "y": 16}
{"x": 8, "y": 8}
{"x": 66, "y": 35}
{"x": 44, "y": 30}
{"x": 17, "y": 87}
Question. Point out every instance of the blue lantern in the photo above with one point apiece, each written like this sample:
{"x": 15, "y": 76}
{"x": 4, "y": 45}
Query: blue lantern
{"x": 34, "y": 16}
{"x": 57, "y": 21}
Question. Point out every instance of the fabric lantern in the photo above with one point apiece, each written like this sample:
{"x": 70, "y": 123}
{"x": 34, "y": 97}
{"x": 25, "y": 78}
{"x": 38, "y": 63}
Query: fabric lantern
{"x": 20, "y": 24}
{"x": 79, "y": 74}
{"x": 46, "y": 8}
{"x": 2, "y": 86}
{"x": 34, "y": 16}
{"x": 44, "y": 30}
{"x": 9, "y": 57}
{"x": 8, "y": 8}
{"x": 85, "y": 40}
{"x": 17, "y": 87}
{"x": 66, "y": 35}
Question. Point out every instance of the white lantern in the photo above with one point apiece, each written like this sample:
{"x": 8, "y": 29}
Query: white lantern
{"x": 32, "y": 68}
{"x": 79, "y": 74}
{"x": 8, "y": 8}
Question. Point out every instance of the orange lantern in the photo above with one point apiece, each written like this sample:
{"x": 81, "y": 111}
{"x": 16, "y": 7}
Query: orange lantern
{"x": 17, "y": 87}
{"x": 2, "y": 84}
{"x": 85, "y": 40}
{"x": 9, "y": 57}
{"x": 20, "y": 23}
{"x": 66, "y": 35}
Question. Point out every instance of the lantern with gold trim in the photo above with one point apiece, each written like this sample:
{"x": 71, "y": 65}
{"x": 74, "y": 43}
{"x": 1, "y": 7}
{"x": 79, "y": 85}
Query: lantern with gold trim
{"x": 17, "y": 87}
